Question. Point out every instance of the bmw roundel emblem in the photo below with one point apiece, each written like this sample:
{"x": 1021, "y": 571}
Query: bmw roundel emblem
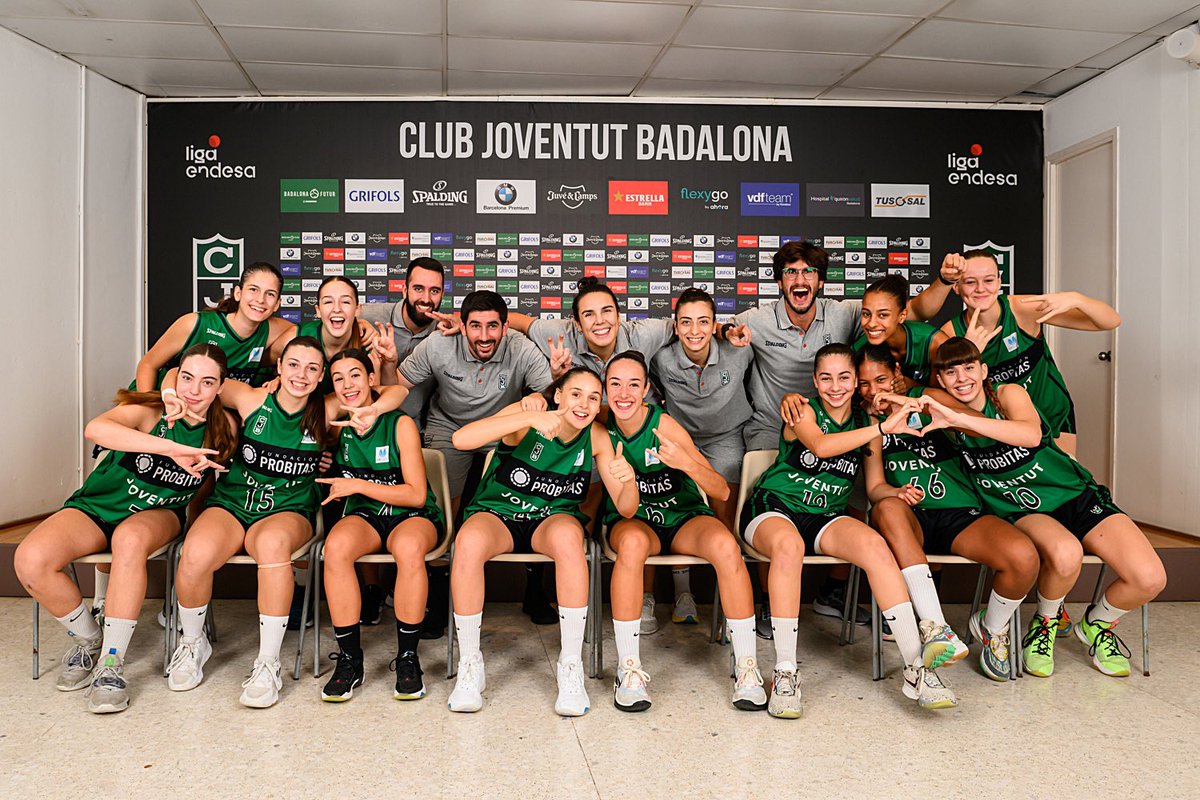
{"x": 520, "y": 477}
{"x": 248, "y": 454}
{"x": 506, "y": 194}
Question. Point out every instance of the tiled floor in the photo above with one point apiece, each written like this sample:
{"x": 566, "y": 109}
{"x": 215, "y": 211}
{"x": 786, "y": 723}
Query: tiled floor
{"x": 1077, "y": 734}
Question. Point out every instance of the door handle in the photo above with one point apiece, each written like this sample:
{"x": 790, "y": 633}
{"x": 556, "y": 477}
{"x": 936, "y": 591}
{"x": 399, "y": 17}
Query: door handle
{"x": 1106, "y": 355}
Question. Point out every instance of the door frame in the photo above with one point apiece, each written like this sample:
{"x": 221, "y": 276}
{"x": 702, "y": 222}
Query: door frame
{"x": 1051, "y": 270}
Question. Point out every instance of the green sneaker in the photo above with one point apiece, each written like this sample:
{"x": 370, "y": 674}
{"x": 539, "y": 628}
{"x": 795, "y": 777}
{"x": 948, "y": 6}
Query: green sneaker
{"x": 1037, "y": 648}
{"x": 1109, "y": 654}
{"x": 994, "y": 656}
{"x": 1064, "y": 621}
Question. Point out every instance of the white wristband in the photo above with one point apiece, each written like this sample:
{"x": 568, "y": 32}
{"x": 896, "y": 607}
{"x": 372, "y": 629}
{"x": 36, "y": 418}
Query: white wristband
{"x": 167, "y": 391}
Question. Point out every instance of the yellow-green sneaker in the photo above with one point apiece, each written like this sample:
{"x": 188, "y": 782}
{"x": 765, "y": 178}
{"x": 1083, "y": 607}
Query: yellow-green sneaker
{"x": 1109, "y": 654}
{"x": 1037, "y": 648}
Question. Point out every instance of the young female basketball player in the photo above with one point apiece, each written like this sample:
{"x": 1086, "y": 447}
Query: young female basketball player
{"x": 885, "y": 322}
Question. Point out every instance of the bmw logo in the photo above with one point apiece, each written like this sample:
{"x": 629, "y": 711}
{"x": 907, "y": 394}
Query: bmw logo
{"x": 506, "y": 194}
{"x": 249, "y": 455}
{"x": 809, "y": 459}
{"x": 520, "y": 477}
{"x": 143, "y": 463}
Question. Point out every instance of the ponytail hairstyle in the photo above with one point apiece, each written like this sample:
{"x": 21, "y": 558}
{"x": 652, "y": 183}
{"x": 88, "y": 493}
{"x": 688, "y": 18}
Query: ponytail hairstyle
{"x": 228, "y": 305}
{"x": 218, "y": 433}
{"x": 562, "y": 381}
{"x": 314, "y": 407}
{"x": 959, "y": 350}
{"x": 694, "y": 294}
{"x": 831, "y": 350}
{"x": 894, "y": 286}
{"x": 630, "y": 355}
{"x": 355, "y": 333}
{"x": 358, "y": 355}
{"x": 588, "y": 286}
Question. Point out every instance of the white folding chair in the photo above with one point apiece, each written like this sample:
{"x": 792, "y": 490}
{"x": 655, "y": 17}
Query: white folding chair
{"x": 435, "y": 475}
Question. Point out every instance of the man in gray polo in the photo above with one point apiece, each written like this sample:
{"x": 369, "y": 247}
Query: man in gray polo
{"x": 475, "y": 375}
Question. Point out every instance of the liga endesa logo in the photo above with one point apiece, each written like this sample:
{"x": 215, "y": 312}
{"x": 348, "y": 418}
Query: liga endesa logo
{"x": 205, "y": 162}
{"x": 637, "y": 197}
{"x": 968, "y": 169}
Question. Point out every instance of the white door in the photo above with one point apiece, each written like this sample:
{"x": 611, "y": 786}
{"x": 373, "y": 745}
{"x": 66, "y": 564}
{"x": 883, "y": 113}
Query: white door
{"x": 1083, "y": 249}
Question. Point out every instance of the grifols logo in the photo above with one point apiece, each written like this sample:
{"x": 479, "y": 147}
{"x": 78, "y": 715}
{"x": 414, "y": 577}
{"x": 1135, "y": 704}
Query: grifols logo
{"x": 205, "y": 162}
{"x": 969, "y": 169}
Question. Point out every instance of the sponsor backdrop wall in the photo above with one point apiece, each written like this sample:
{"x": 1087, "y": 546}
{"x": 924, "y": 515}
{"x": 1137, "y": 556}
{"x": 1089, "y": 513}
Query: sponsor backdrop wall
{"x": 528, "y": 197}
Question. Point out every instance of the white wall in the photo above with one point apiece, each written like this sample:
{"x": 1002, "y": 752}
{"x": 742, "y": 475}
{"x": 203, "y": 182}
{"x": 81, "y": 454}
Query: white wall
{"x": 62, "y": 223}
{"x": 1153, "y": 102}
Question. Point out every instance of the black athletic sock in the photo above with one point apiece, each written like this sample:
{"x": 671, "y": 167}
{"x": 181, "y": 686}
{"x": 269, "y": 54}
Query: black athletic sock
{"x": 348, "y": 639}
{"x": 408, "y": 635}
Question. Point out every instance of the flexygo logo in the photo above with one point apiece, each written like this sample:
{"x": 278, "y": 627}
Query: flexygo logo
{"x": 216, "y": 267}
{"x": 205, "y": 162}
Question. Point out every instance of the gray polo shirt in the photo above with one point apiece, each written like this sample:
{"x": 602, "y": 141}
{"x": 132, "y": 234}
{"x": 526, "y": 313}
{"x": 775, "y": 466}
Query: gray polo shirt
{"x": 647, "y": 336}
{"x": 469, "y": 389}
{"x": 784, "y": 357}
{"x": 406, "y": 342}
{"x": 708, "y": 401}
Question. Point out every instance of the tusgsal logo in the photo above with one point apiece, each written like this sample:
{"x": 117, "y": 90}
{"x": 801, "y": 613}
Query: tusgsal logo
{"x": 572, "y": 197}
{"x": 439, "y": 195}
{"x": 205, "y": 162}
{"x": 968, "y": 169}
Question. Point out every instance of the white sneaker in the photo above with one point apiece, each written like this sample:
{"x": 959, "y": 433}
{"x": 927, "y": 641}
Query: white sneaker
{"x": 261, "y": 689}
{"x": 186, "y": 669}
{"x": 785, "y": 695}
{"x": 78, "y": 663}
{"x": 572, "y": 696}
{"x": 629, "y": 690}
{"x": 467, "y": 696}
{"x": 162, "y": 621}
{"x": 748, "y": 692}
{"x": 924, "y": 686}
{"x": 108, "y": 692}
{"x": 649, "y": 623}
{"x": 685, "y": 612}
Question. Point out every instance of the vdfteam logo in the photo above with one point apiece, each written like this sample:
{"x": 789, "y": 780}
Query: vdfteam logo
{"x": 205, "y": 162}
{"x": 637, "y": 197}
{"x": 770, "y": 200}
{"x": 900, "y": 200}
{"x": 216, "y": 266}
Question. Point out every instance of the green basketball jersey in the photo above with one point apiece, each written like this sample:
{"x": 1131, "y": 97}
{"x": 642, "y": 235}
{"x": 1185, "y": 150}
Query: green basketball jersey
{"x": 915, "y": 363}
{"x": 810, "y": 484}
{"x": 245, "y": 357}
{"x": 1021, "y": 480}
{"x": 668, "y": 497}
{"x": 275, "y": 468}
{"x": 537, "y": 478}
{"x": 1014, "y": 356}
{"x": 374, "y": 457}
{"x": 126, "y": 483}
{"x": 931, "y": 462}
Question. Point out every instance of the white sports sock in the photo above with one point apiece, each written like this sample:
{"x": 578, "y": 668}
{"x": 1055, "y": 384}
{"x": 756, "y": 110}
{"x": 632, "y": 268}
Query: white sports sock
{"x": 904, "y": 627}
{"x": 784, "y": 631}
{"x": 923, "y": 593}
{"x": 80, "y": 623}
{"x": 1048, "y": 608}
{"x": 270, "y": 636}
{"x": 101, "y": 590}
{"x": 192, "y": 620}
{"x": 571, "y": 622}
{"x": 466, "y": 628}
{"x": 682, "y": 576}
{"x": 1105, "y": 611}
{"x": 627, "y": 640}
{"x": 741, "y": 631}
{"x": 998, "y": 617}
{"x": 117, "y": 633}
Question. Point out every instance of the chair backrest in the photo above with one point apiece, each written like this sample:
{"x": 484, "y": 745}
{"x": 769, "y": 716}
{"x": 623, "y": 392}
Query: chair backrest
{"x": 435, "y": 474}
{"x": 754, "y": 464}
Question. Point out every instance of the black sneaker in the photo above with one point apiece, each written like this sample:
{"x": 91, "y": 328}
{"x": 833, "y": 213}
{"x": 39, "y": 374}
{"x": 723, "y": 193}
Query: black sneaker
{"x": 372, "y": 605}
{"x": 409, "y": 685}
{"x": 762, "y": 622}
{"x": 347, "y": 676}
{"x": 297, "y": 609}
{"x": 536, "y": 606}
{"x": 831, "y": 602}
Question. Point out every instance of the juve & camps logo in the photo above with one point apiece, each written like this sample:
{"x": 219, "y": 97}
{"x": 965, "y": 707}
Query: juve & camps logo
{"x": 834, "y": 200}
{"x": 900, "y": 200}
{"x": 374, "y": 196}
{"x": 440, "y": 196}
{"x": 770, "y": 200}
{"x": 505, "y": 197}
{"x": 216, "y": 267}
{"x": 572, "y": 197}
{"x": 315, "y": 195}
{"x": 969, "y": 169}
{"x": 205, "y": 162}
{"x": 637, "y": 197}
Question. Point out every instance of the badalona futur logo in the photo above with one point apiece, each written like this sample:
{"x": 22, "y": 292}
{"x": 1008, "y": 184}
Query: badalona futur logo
{"x": 205, "y": 162}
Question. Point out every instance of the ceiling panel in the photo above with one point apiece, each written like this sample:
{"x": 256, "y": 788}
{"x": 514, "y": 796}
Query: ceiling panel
{"x": 812, "y": 69}
{"x": 673, "y": 87}
{"x": 1181, "y": 20}
{"x": 403, "y": 16}
{"x": 138, "y": 39}
{"x": 580, "y": 20}
{"x": 567, "y": 58}
{"x": 946, "y": 76}
{"x": 167, "y": 71}
{"x": 897, "y": 96}
{"x": 910, "y": 8}
{"x": 1118, "y": 16}
{"x": 334, "y": 47}
{"x": 501, "y": 83}
{"x": 1125, "y": 50}
{"x": 145, "y": 10}
{"x": 1064, "y": 81}
{"x": 1002, "y": 44}
{"x": 200, "y": 91}
{"x": 291, "y": 78}
{"x": 765, "y": 29}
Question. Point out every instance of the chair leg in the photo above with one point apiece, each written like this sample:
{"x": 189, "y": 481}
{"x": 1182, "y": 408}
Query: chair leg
{"x": 597, "y": 612}
{"x": 210, "y": 623}
{"x": 1014, "y": 646}
{"x": 977, "y": 603}
{"x": 451, "y": 664}
{"x": 717, "y": 634}
{"x": 1099, "y": 584}
{"x": 308, "y": 584}
{"x": 850, "y": 612}
{"x": 876, "y": 641}
{"x": 1146, "y": 639}
{"x": 318, "y": 559}
{"x": 168, "y": 608}
{"x": 36, "y": 638}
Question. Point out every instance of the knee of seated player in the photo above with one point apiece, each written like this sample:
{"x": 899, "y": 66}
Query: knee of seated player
{"x": 132, "y": 541}
{"x": 272, "y": 545}
{"x": 634, "y": 547}
{"x": 1062, "y": 557}
{"x": 724, "y": 552}
{"x": 564, "y": 541}
{"x": 33, "y": 565}
{"x": 788, "y": 551}
{"x": 408, "y": 549}
{"x": 471, "y": 547}
{"x": 1020, "y": 558}
{"x": 889, "y": 516}
{"x": 874, "y": 553}
{"x": 1147, "y": 579}
{"x": 339, "y": 549}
